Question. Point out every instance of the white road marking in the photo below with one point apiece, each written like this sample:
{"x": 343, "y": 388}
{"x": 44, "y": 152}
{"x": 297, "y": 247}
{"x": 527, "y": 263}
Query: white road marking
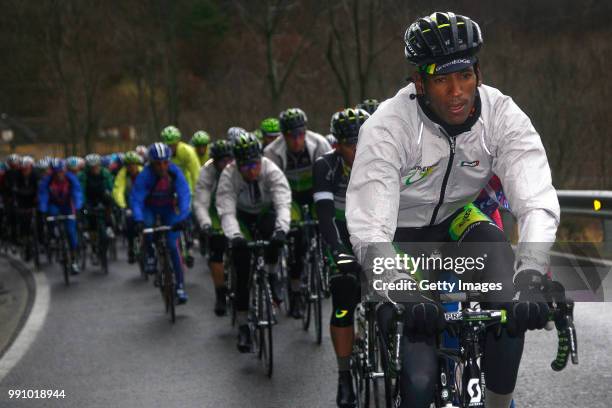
{"x": 30, "y": 329}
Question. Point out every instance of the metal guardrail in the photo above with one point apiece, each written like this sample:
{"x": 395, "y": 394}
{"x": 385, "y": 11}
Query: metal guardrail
{"x": 589, "y": 203}
{"x": 594, "y": 203}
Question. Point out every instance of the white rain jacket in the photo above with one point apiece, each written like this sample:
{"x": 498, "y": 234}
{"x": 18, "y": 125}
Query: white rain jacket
{"x": 204, "y": 191}
{"x": 316, "y": 145}
{"x": 409, "y": 173}
{"x": 233, "y": 193}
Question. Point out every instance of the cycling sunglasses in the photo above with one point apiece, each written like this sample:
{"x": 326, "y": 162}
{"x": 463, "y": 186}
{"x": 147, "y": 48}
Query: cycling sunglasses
{"x": 295, "y": 133}
{"x": 249, "y": 165}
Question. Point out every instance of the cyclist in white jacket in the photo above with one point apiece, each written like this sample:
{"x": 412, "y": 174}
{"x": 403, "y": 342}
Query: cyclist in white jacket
{"x": 221, "y": 153}
{"x": 429, "y": 151}
{"x": 253, "y": 198}
{"x": 295, "y": 153}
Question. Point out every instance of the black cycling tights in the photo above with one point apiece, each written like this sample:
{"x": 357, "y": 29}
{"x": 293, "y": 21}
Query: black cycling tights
{"x": 502, "y": 353}
{"x": 241, "y": 258}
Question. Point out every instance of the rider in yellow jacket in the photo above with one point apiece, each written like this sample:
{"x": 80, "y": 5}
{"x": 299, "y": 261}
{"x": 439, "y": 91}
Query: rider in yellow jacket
{"x": 199, "y": 141}
{"x": 183, "y": 155}
{"x": 121, "y": 193}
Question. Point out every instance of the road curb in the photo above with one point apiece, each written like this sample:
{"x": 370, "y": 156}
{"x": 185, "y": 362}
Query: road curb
{"x": 32, "y": 319}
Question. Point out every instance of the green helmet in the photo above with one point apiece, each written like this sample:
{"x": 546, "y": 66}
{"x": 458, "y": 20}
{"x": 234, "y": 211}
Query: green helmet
{"x": 246, "y": 147}
{"x": 270, "y": 127}
{"x": 200, "y": 138}
{"x": 291, "y": 119}
{"x": 171, "y": 135}
{"x": 132, "y": 157}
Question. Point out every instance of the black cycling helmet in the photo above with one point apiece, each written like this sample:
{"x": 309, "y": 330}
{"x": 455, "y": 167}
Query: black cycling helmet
{"x": 441, "y": 39}
{"x": 368, "y": 105}
{"x": 345, "y": 124}
{"x": 291, "y": 119}
{"x": 246, "y": 147}
{"x": 220, "y": 149}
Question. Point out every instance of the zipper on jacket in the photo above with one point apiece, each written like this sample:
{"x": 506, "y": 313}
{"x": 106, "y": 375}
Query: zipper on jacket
{"x": 451, "y": 142}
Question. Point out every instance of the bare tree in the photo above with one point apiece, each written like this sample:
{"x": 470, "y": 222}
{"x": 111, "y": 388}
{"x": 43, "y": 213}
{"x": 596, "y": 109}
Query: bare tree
{"x": 269, "y": 21}
{"x": 352, "y": 47}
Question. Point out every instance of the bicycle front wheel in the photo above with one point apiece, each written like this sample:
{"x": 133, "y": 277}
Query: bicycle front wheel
{"x": 265, "y": 328}
{"x": 317, "y": 295}
{"x": 306, "y": 294}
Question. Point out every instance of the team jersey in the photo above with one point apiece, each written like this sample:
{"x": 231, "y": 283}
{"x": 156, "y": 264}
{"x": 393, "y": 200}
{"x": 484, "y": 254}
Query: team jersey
{"x": 25, "y": 190}
{"x": 152, "y": 191}
{"x": 63, "y": 194}
{"x": 123, "y": 186}
{"x": 410, "y": 172}
{"x": 96, "y": 187}
{"x": 298, "y": 167}
{"x": 187, "y": 160}
{"x": 205, "y": 192}
{"x": 331, "y": 177}
{"x": 270, "y": 190}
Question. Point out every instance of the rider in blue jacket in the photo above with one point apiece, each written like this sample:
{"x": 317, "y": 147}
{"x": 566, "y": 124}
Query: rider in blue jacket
{"x": 161, "y": 191}
{"x": 60, "y": 193}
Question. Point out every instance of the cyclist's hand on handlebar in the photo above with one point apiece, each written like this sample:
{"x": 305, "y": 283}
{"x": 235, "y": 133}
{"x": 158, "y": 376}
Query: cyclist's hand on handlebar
{"x": 422, "y": 315}
{"x": 177, "y": 226}
{"x": 206, "y": 229}
{"x": 239, "y": 242}
{"x": 347, "y": 263}
{"x": 278, "y": 238}
{"x": 531, "y": 310}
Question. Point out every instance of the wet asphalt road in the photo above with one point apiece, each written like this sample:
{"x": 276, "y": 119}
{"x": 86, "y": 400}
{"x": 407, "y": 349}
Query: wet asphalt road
{"x": 107, "y": 342}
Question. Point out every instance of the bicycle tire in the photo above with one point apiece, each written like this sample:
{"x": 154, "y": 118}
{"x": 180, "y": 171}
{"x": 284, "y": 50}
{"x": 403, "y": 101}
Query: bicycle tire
{"x": 65, "y": 267}
{"x": 113, "y": 249}
{"x": 358, "y": 376}
{"x": 141, "y": 265}
{"x": 284, "y": 280}
{"x": 305, "y": 294}
{"x": 374, "y": 359}
{"x": 265, "y": 335}
{"x": 317, "y": 303}
{"x": 390, "y": 383}
{"x": 167, "y": 285}
{"x": 103, "y": 249}
{"x": 230, "y": 279}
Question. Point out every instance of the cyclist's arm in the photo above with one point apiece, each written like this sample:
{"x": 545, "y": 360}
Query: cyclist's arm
{"x": 372, "y": 197}
{"x": 281, "y": 196}
{"x": 119, "y": 188}
{"x": 192, "y": 166}
{"x": 521, "y": 164}
{"x": 323, "y": 146}
{"x": 271, "y": 154}
{"x": 324, "y": 202}
{"x": 183, "y": 194}
{"x": 203, "y": 194}
{"x": 43, "y": 194}
{"x": 108, "y": 180}
{"x": 75, "y": 191}
{"x": 138, "y": 194}
{"x": 82, "y": 178}
{"x": 226, "y": 200}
